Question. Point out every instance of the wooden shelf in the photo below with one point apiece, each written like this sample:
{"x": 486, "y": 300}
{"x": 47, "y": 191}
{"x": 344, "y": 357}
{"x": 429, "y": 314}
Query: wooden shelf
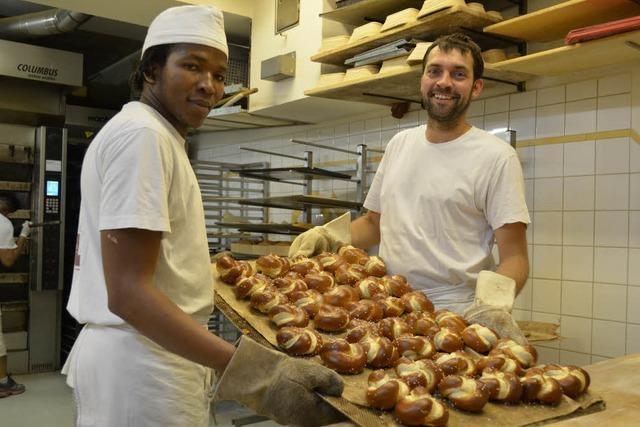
{"x": 577, "y": 57}
{"x": 555, "y": 22}
{"x": 15, "y": 186}
{"x": 428, "y": 28}
{"x": 369, "y": 10}
{"x": 395, "y": 86}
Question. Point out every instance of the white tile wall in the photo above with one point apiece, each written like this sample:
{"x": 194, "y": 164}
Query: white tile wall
{"x": 634, "y": 267}
{"x": 634, "y": 229}
{"x": 579, "y": 193}
{"x": 634, "y": 191}
{"x": 612, "y": 192}
{"x": 548, "y": 229}
{"x": 577, "y": 299}
{"x": 612, "y": 155}
{"x": 551, "y": 95}
{"x": 634, "y": 156}
{"x": 496, "y": 121}
{"x": 575, "y": 333}
{"x": 527, "y": 160}
{"x": 579, "y": 158}
{"x": 611, "y": 85}
{"x": 633, "y": 298}
{"x": 574, "y": 358}
{"x": 547, "y": 194}
{"x": 577, "y": 228}
{"x": 612, "y": 228}
{"x": 476, "y": 108}
{"x": 549, "y": 160}
{"x": 550, "y": 120}
{"x": 496, "y": 105}
{"x": 610, "y": 265}
{"x": 582, "y": 90}
{"x": 546, "y": 296}
{"x": 608, "y": 301}
{"x": 580, "y": 116}
{"x": 577, "y": 263}
{"x": 524, "y": 123}
{"x": 614, "y": 112}
{"x": 633, "y": 338}
{"x": 547, "y": 261}
{"x": 518, "y": 101}
{"x": 608, "y": 338}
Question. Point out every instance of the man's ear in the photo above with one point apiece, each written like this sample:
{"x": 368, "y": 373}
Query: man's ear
{"x": 477, "y": 88}
{"x": 150, "y": 76}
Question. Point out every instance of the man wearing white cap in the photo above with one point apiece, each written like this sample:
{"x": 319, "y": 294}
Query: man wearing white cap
{"x": 142, "y": 280}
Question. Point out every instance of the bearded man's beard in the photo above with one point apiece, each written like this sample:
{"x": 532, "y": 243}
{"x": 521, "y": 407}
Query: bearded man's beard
{"x": 445, "y": 116}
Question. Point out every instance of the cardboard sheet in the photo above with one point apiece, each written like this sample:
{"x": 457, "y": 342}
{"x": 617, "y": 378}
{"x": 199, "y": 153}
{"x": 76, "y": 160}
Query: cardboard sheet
{"x": 353, "y": 403}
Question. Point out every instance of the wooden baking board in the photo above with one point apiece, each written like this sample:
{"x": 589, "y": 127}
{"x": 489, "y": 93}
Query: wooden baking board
{"x": 353, "y": 403}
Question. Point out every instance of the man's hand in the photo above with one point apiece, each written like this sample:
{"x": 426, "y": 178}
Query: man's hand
{"x": 328, "y": 237}
{"x": 26, "y": 229}
{"x": 280, "y": 387}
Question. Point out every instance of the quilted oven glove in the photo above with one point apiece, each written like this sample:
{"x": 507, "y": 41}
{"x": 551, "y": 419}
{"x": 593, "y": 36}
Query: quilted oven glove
{"x": 492, "y": 305}
{"x": 280, "y": 387}
{"x": 328, "y": 237}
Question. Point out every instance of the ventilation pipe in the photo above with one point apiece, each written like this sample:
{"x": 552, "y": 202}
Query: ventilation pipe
{"x": 45, "y": 23}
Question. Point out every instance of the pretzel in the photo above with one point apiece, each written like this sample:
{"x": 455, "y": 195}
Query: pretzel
{"x": 383, "y": 391}
{"x": 396, "y": 285}
{"x": 572, "y": 379}
{"x": 288, "y": 315}
{"x": 375, "y": 267}
{"x": 465, "y": 393}
{"x": 341, "y": 296}
{"x": 448, "y": 319}
{"x": 371, "y": 287}
{"x": 448, "y": 340}
{"x": 393, "y": 327}
{"x": 416, "y": 301}
{"x": 381, "y": 353}
{"x": 353, "y": 255}
{"x": 299, "y": 341}
{"x": 536, "y": 386}
{"x": 273, "y": 265}
{"x": 321, "y": 281}
{"x": 247, "y": 286}
{"x": 343, "y": 357}
{"x": 456, "y": 363}
{"x": 422, "y": 323}
{"x": 267, "y": 298}
{"x": 502, "y": 386}
{"x": 479, "y": 338}
{"x": 290, "y": 283}
{"x": 501, "y": 363}
{"x": 350, "y": 274}
{"x": 415, "y": 347}
{"x": 391, "y": 306}
{"x": 331, "y": 318}
{"x": 330, "y": 262}
{"x": 358, "y": 329}
{"x": 419, "y": 408}
{"x": 525, "y": 355}
{"x": 308, "y": 300}
{"x": 365, "y": 309}
{"x": 419, "y": 373}
{"x": 230, "y": 270}
{"x": 303, "y": 265}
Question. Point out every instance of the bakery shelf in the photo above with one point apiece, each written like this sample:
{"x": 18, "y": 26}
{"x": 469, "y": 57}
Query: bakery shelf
{"x": 402, "y": 84}
{"x": 555, "y": 22}
{"x": 14, "y": 278}
{"x": 15, "y": 186}
{"x": 611, "y": 50}
{"x": 300, "y": 202}
{"x": 274, "y": 228}
{"x": 369, "y": 10}
{"x": 20, "y": 214}
{"x": 429, "y": 27}
{"x": 292, "y": 173}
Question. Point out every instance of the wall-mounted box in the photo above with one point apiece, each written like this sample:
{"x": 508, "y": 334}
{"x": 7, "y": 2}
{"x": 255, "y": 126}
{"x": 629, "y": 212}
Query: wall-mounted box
{"x": 279, "y": 67}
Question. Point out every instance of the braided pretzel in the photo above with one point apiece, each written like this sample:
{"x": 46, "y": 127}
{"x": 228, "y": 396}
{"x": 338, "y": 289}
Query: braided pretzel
{"x": 536, "y": 386}
{"x": 396, "y": 285}
{"x": 375, "y": 267}
{"x": 330, "y": 262}
{"x": 289, "y": 284}
{"x": 456, "y": 363}
{"x": 501, "y": 363}
{"x": 353, "y": 255}
{"x": 391, "y": 306}
{"x": 267, "y": 298}
{"x": 303, "y": 265}
{"x": 479, "y": 338}
{"x": 502, "y": 386}
{"x": 525, "y": 355}
{"x": 383, "y": 391}
{"x": 416, "y": 301}
{"x": 359, "y": 329}
{"x": 341, "y": 296}
{"x": 247, "y": 286}
{"x": 350, "y": 274}
{"x": 288, "y": 315}
{"x": 299, "y": 341}
{"x": 572, "y": 379}
{"x": 309, "y": 300}
{"x": 343, "y": 357}
{"x": 381, "y": 353}
{"x": 451, "y": 320}
{"x": 419, "y": 373}
{"x": 448, "y": 340}
{"x": 415, "y": 347}
{"x": 371, "y": 287}
{"x": 365, "y": 309}
{"x": 418, "y": 408}
{"x": 422, "y": 323}
{"x": 321, "y": 281}
{"x": 393, "y": 327}
{"x": 273, "y": 265}
{"x": 331, "y": 318}
{"x": 465, "y": 393}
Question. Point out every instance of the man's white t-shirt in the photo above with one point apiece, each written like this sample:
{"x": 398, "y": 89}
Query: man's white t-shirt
{"x": 440, "y": 204}
{"x": 136, "y": 174}
{"x": 7, "y": 240}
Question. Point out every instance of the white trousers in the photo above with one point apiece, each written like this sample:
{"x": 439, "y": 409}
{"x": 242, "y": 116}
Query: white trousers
{"x": 121, "y": 378}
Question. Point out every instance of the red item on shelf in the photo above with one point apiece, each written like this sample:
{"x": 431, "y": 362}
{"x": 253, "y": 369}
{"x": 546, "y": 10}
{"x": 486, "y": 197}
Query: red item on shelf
{"x": 602, "y": 30}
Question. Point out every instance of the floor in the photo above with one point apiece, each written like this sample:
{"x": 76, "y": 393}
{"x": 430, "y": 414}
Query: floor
{"x": 49, "y": 402}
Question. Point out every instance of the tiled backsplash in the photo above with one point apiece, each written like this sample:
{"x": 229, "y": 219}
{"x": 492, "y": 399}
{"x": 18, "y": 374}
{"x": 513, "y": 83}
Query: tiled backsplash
{"x": 583, "y": 195}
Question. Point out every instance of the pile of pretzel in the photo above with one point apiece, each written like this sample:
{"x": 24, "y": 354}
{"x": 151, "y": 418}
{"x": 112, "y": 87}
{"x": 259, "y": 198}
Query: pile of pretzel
{"x": 420, "y": 357}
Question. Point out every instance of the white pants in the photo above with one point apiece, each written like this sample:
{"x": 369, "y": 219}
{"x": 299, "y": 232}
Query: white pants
{"x": 121, "y": 378}
{"x": 3, "y": 347}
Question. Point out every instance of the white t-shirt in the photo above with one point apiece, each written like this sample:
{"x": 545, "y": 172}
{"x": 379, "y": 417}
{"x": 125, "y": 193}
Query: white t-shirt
{"x": 439, "y": 207}
{"x": 7, "y": 240}
{"x": 136, "y": 174}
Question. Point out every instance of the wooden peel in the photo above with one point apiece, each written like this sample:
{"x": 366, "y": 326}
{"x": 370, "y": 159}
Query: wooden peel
{"x": 232, "y": 99}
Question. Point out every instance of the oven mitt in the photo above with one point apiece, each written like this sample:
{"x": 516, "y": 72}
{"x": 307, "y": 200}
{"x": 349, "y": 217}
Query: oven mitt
{"x": 492, "y": 305}
{"x": 323, "y": 238}
{"x": 280, "y": 387}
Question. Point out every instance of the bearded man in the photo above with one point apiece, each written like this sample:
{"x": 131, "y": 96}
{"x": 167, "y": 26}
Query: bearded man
{"x": 443, "y": 193}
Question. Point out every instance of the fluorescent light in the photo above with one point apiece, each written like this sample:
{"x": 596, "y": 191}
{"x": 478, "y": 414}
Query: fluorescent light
{"x": 498, "y": 130}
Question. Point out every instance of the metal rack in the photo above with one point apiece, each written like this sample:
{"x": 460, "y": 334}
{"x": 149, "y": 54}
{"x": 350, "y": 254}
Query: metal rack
{"x": 221, "y": 190}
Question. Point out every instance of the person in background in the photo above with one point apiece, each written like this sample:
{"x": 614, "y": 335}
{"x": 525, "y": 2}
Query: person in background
{"x": 10, "y": 250}
{"x": 442, "y": 194}
{"x": 142, "y": 283}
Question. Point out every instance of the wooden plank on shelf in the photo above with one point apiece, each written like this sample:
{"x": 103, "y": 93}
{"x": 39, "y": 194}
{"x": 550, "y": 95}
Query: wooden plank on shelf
{"x": 397, "y": 85}
{"x": 20, "y": 214}
{"x": 15, "y": 186}
{"x": 555, "y": 22}
{"x": 13, "y": 278}
{"x": 367, "y": 10}
{"x": 428, "y": 28}
{"x": 581, "y": 56}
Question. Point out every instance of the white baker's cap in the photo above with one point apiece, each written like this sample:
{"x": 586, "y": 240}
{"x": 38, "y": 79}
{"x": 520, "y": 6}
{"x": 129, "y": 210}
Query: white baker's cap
{"x": 188, "y": 24}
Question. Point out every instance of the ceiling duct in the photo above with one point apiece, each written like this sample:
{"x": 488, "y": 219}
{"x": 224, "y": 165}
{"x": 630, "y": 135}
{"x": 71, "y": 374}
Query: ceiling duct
{"x": 45, "y": 23}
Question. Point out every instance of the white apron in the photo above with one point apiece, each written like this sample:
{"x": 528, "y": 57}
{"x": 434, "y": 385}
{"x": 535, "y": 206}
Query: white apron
{"x": 121, "y": 378}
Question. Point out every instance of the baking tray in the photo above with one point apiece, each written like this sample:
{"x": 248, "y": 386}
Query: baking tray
{"x": 301, "y": 202}
{"x": 290, "y": 229}
{"x": 288, "y": 174}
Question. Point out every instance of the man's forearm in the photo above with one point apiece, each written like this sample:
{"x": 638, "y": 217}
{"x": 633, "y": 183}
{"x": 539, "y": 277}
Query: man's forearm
{"x": 516, "y": 267}
{"x": 365, "y": 233}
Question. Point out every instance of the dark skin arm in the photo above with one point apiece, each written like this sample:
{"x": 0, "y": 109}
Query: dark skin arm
{"x": 8, "y": 257}
{"x": 129, "y": 257}
{"x": 512, "y": 248}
